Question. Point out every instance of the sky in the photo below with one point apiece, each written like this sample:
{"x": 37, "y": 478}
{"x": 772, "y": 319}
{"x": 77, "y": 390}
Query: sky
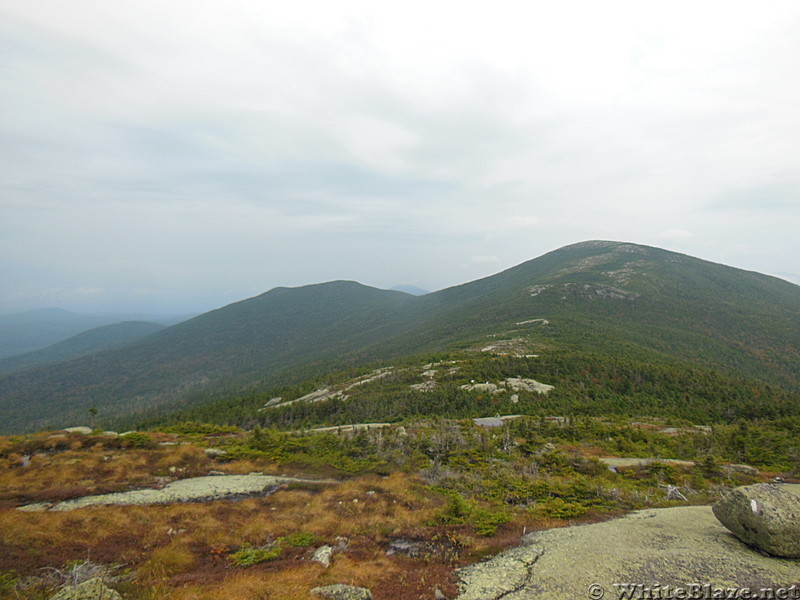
{"x": 169, "y": 156}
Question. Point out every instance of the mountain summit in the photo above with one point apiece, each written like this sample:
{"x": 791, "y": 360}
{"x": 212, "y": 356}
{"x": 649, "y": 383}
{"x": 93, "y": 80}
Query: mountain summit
{"x": 598, "y": 296}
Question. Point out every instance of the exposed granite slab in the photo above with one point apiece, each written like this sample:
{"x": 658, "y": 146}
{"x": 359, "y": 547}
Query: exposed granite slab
{"x": 658, "y": 547}
{"x": 195, "y": 489}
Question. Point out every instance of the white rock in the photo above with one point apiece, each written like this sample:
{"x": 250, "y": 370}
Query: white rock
{"x": 83, "y": 430}
{"x": 323, "y": 555}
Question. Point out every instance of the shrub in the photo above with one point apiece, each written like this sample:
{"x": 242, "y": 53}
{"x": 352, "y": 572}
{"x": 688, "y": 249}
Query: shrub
{"x": 8, "y": 579}
{"x": 247, "y": 556}
{"x": 136, "y": 439}
{"x": 487, "y": 520}
{"x": 456, "y": 511}
{"x": 300, "y": 539}
{"x": 558, "y": 508}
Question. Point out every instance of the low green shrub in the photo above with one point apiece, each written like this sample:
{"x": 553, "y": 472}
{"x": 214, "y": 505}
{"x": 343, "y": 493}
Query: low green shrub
{"x": 136, "y": 439}
{"x": 247, "y": 556}
{"x": 299, "y": 539}
{"x": 487, "y": 520}
{"x": 460, "y": 512}
{"x": 8, "y": 579}
{"x": 558, "y": 508}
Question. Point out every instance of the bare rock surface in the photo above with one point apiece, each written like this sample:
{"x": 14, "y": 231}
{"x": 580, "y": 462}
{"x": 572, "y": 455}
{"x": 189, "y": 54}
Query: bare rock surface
{"x": 92, "y": 589}
{"x": 340, "y": 591}
{"x": 681, "y": 546}
{"x": 82, "y": 430}
{"x": 764, "y": 515}
{"x": 323, "y": 556}
{"x": 643, "y": 462}
{"x": 196, "y": 489}
{"x": 529, "y": 385}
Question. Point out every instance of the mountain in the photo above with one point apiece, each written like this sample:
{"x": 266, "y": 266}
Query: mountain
{"x": 601, "y": 295}
{"x": 86, "y": 342}
{"x": 35, "y": 329}
{"x": 31, "y": 330}
{"x": 618, "y": 301}
{"x": 230, "y": 346}
{"x": 410, "y": 289}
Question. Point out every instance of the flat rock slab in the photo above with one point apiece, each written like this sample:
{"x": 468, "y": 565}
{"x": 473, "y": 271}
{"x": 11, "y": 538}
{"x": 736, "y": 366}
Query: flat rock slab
{"x": 681, "y": 546}
{"x": 196, "y": 489}
{"x": 341, "y": 591}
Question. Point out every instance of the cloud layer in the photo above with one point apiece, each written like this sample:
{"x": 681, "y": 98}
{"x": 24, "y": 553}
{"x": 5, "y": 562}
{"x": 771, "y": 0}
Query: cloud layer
{"x": 178, "y": 155}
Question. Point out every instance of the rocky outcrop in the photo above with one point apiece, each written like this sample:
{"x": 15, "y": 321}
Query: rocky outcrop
{"x": 323, "y": 556}
{"x": 340, "y": 591}
{"x": 764, "y": 515}
{"x": 528, "y": 385}
{"x": 215, "y": 452}
{"x": 503, "y": 575}
{"x": 657, "y": 547}
{"x": 91, "y": 589}
{"x": 83, "y": 430}
{"x": 195, "y": 489}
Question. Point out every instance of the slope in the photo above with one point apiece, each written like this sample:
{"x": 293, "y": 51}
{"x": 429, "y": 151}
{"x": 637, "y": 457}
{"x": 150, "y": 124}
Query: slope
{"x": 618, "y": 297}
{"x": 87, "y": 342}
{"x": 35, "y": 329}
{"x": 612, "y": 300}
{"x": 283, "y": 328}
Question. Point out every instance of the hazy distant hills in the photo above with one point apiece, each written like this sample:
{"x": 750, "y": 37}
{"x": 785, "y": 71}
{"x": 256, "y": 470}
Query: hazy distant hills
{"x": 609, "y": 298}
{"x": 239, "y": 343}
{"x": 35, "y": 329}
{"x": 86, "y": 342}
{"x": 410, "y": 289}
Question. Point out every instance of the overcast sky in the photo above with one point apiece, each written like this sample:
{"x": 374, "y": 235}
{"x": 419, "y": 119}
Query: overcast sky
{"x": 175, "y": 156}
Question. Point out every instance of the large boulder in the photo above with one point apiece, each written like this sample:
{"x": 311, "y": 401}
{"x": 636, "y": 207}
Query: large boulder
{"x": 763, "y": 515}
{"x": 91, "y": 589}
{"x": 340, "y": 591}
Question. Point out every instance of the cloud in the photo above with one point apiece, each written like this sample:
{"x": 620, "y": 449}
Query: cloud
{"x": 674, "y": 234}
{"x": 484, "y": 260}
{"x": 520, "y": 222}
{"x": 202, "y": 153}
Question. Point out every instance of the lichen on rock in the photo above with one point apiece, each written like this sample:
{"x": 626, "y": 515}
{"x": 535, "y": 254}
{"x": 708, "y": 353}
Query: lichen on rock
{"x": 91, "y": 589}
{"x": 341, "y": 591}
{"x": 764, "y": 515}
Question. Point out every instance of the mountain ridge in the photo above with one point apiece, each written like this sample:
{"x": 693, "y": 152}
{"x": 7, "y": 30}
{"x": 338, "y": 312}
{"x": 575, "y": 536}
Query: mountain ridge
{"x": 599, "y": 296}
{"x": 86, "y": 342}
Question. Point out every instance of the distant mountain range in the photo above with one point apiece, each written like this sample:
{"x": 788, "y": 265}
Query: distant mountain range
{"x": 32, "y": 330}
{"x": 411, "y": 289}
{"x": 36, "y": 329}
{"x": 85, "y": 343}
{"x": 607, "y": 298}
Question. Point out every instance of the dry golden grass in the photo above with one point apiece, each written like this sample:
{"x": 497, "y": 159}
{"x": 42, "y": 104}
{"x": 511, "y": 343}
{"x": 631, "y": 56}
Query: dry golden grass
{"x": 179, "y": 551}
{"x": 291, "y": 583}
{"x": 166, "y": 561}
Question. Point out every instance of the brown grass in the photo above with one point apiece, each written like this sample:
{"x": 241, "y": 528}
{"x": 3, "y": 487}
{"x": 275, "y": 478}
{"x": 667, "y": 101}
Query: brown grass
{"x": 179, "y": 551}
{"x": 166, "y": 561}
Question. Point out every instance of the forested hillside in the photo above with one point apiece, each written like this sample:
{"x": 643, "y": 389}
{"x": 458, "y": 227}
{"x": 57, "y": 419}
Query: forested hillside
{"x": 615, "y": 327}
{"x": 87, "y": 342}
